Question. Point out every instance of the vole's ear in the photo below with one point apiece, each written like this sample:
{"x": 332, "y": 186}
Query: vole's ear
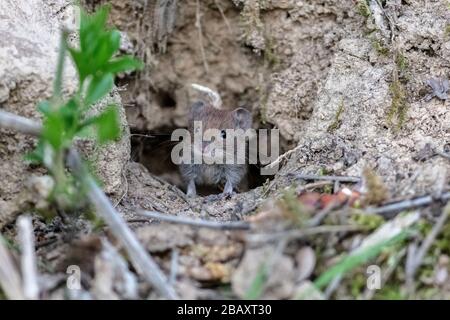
{"x": 197, "y": 108}
{"x": 242, "y": 118}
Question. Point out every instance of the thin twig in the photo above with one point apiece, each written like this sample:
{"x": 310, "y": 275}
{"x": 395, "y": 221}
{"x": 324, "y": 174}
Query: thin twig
{"x": 426, "y": 244}
{"x": 408, "y": 204}
{"x": 280, "y": 158}
{"x": 231, "y": 225}
{"x": 174, "y": 267}
{"x": 20, "y": 124}
{"x": 326, "y": 178}
{"x": 332, "y": 287}
{"x": 125, "y": 192}
{"x": 198, "y": 25}
{"x": 318, "y": 217}
{"x": 28, "y": 258}
{"x": 141, "y": 260}
{"x": 301, "y": 233}
{"x": 222, "y": 13}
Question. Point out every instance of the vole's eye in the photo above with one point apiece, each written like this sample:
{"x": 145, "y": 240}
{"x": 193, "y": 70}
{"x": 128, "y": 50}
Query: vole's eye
{"x": 223, "y": 134}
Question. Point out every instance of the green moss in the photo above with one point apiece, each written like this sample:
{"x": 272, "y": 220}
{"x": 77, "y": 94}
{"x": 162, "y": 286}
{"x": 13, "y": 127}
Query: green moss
{"x": 370, "y": 221}
{"x": 337, "y": 118}
{"x": 271, "y": 59}
{"x": 294, "y": 207}
{"x": 447, "y": 30}
{"x": 263, "y": 107}
{"x": 10, "y": 243}
{"x": 443, "y": 241}
{"x": 358, "y": 283}
{"x": 390, "y": 292}
{"x": 396, "y": 115}
{"x": 402, "y": 62}
{"x": 380, "y": 47}
{"x": 97, "y": 223}
{"x": 363, "y": 8}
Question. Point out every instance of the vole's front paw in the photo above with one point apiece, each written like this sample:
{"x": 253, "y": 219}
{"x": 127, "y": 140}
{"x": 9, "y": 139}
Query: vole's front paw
{"x": 212, "y": 198}
{"x": 220, "y": 196}
{"x": 227, "y": 195}
{"x": 191, "y": 194}
{"x": 191, "y": 190}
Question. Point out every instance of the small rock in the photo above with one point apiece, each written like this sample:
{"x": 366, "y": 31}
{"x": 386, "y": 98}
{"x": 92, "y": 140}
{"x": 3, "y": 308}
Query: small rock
{"x": 306, "y": 261}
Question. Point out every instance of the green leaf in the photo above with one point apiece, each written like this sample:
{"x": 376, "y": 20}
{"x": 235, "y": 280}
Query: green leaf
{"x": 107, "y": 45}
{"x": 37, "y": 155}
{"x": 98, "y": 88}
{"x": 70, "y": 114}
{"x": 124, "y": 63}
{"x": 256, "y": 288}
{"x": 80, "y": 63}
{"x": 107, "y": 123}
{"x": 91, "y": 26}
{"x": 53, "y": 130}
{"x": 353, "y": 260}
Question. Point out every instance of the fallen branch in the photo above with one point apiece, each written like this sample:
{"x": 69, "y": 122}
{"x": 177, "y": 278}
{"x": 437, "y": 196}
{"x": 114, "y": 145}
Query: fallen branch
{"x": 141, "y": 260}
{"x": 28, "y": 258}
{"x": 232, "y": 225}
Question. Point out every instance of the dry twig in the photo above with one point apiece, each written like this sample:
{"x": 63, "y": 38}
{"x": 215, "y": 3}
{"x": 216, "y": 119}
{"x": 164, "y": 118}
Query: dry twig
{"x": 198, "y": 25}
{"x": 326, "y": 178}
{"x": 408, "y": 204}
{"x": 231, "y": 225}
{"x": 416, "y": 257}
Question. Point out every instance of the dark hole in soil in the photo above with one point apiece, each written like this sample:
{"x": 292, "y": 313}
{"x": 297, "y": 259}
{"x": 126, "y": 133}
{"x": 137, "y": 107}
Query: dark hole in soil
{"x": 165, "y": 99}
{"x": 153, "y": 150}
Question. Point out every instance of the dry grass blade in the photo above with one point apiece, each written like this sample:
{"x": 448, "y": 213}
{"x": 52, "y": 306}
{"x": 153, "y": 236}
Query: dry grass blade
{"x": 416, "y": 256}
{"x": 28, "y": 258}
{"x": 212, "y": 95}
{"x": 10, "y": 281}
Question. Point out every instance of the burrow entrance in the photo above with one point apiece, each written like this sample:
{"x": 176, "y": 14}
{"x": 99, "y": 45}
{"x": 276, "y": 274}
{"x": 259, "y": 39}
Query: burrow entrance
{"x": 241, "y": 51}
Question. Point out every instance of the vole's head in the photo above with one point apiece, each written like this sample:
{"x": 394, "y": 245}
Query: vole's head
{"x": 214, "y": 124}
